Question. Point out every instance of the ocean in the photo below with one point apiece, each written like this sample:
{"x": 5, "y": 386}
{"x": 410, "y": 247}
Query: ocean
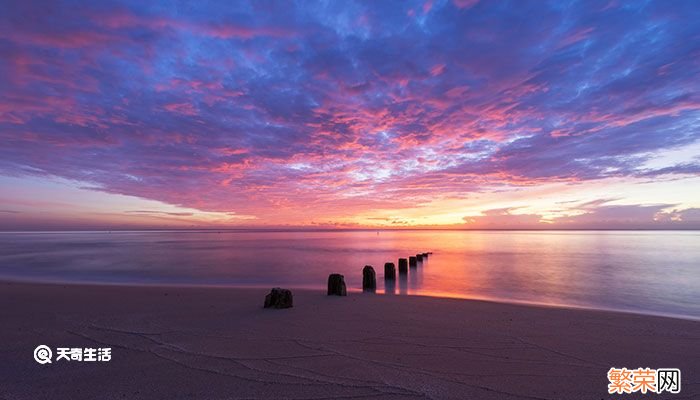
{"x": 649, "y": 272}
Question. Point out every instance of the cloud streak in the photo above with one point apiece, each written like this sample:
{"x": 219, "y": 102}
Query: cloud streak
{"x": 591, "y": 215}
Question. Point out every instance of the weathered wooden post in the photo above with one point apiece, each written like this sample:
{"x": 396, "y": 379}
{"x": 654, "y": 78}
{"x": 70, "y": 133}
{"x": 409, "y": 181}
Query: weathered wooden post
{"x": 425, "y": 255}
{"x": 403, "y": 266}
{"x": 369, "y": 279}
{"x": 279, "y": 298}
{"x": 389, "y": 272}
{"x": 419, "y": 257}
{"x": 336, "y": 285}
{"x": 412, "y": 262}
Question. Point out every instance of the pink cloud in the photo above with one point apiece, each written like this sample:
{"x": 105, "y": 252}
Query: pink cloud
{"x": 465, "y": 4}
{"x": 181, "y": 108}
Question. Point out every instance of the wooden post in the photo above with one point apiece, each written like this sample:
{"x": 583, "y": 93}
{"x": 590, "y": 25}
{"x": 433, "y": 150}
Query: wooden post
{"x": 279, "y": 298}
{"x": 369, "y": 279}
{"x": 336, "y": 285}
{"x": 389, "y": 271}
{"x": 403, "y": 266}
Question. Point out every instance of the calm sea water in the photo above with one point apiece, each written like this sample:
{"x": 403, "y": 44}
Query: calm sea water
{"x": 641, "y": 271}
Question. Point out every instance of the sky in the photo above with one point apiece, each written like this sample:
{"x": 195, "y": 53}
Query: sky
{"x": 342, "y": 114}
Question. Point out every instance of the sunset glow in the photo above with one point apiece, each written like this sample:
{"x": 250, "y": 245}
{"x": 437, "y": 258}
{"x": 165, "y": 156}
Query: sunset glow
{"x": 464, "y": 114}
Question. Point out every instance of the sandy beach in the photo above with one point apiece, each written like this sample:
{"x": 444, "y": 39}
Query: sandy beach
{"x": 218, "y": 343}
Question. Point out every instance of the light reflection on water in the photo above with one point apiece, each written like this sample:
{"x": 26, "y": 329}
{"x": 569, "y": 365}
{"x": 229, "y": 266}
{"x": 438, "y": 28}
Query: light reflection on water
{"x": 642, "y": 271}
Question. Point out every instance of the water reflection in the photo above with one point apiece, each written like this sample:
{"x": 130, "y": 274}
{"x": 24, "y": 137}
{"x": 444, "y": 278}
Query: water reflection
{"x": 640, "y": 271}
{"x": 390, "y": 286}
{"x": 413, "y": 278}
{"x": 403, "y": 284}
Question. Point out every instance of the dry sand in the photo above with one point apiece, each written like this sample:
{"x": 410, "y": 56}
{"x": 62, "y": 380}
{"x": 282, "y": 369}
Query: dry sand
{"x": 207, "y": 343}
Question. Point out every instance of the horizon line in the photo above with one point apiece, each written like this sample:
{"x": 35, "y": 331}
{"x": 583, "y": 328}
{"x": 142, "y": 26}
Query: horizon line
{"x": 344, "y": 229}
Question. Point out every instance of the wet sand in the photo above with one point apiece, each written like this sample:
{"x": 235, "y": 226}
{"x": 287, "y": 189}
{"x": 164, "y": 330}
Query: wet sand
{"x": 215, "y": 343}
